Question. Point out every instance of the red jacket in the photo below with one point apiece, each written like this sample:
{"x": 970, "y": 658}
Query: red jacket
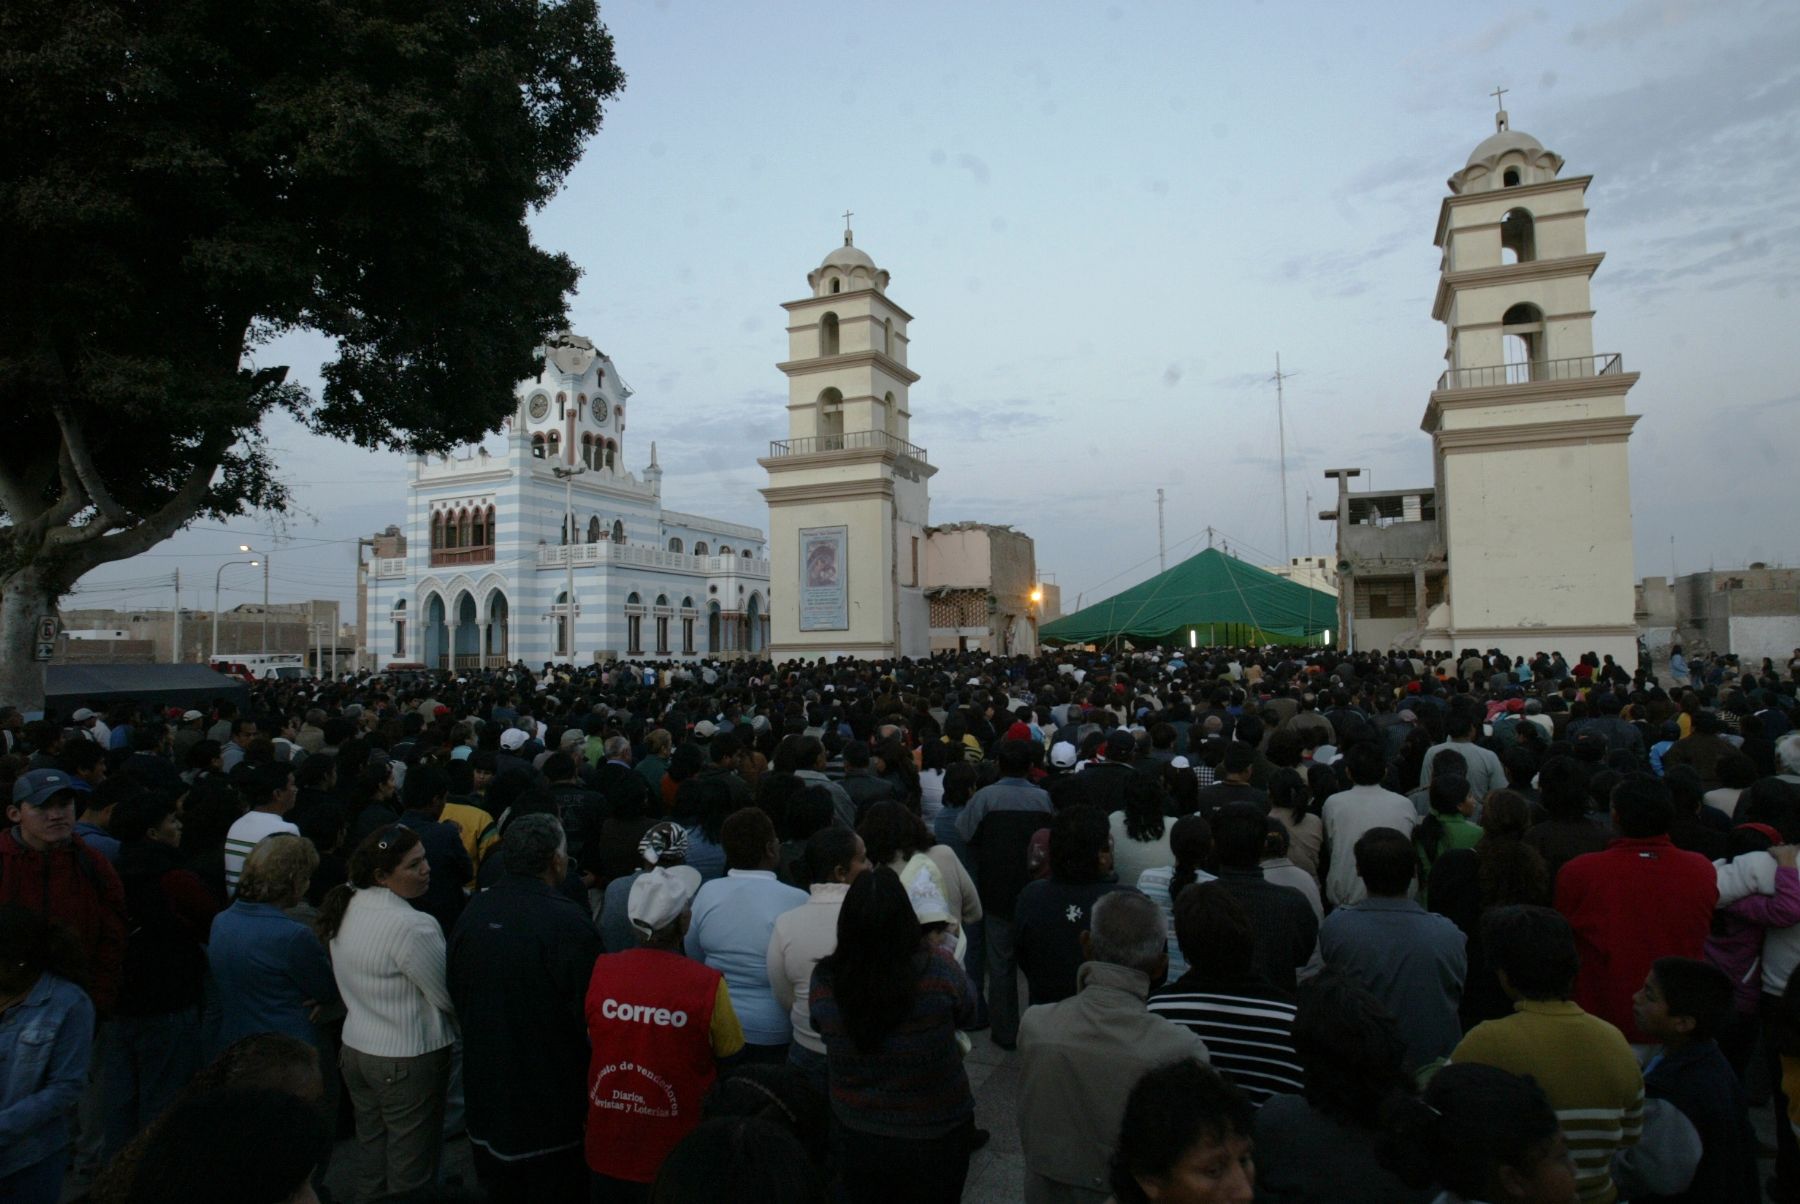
{"x": 1633, "y": 902}
{"x": 78, "y": 886}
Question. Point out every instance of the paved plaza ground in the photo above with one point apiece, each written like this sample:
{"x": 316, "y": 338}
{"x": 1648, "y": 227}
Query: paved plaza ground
{"x": 997, "y": 1172}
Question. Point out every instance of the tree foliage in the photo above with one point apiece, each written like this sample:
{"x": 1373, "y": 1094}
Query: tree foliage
{"x": 183, "y": 180}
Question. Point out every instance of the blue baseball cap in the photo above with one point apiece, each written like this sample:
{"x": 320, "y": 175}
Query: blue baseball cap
{"x": 41, "y": 785}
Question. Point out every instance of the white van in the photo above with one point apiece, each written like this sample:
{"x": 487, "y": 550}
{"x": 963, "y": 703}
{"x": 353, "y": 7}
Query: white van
{"x": 262, "y": 666}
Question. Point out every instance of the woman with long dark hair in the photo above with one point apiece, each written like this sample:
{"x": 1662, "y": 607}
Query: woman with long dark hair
{"x": 887, "y": 1004}
{"x": 389, "y": 962}
{"x": 1320, "y": 1147}
{"x": 1140, "y": 829}
{"x": 1290, "y": 801}
{"x": 46, "y": 1031}
{"x": 1481, "y": 1134}
{"x": 1191, "y": 847}
{"x": 1501, "y": 870}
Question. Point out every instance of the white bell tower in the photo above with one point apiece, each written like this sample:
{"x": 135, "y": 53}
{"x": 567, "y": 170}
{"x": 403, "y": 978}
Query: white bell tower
{"x": 847, "y": 492}
{"x": 1528, "y": 423}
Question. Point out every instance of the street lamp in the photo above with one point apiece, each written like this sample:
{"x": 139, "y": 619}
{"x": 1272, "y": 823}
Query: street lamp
{"x": 567, "y": 477}
{"x": 244, "y": 547}
{"x": 216, "y": 577}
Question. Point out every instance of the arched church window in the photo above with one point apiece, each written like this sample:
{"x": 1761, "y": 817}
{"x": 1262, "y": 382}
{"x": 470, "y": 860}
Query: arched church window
{"x": 612, "y": 454}
{"x": 828, "y": 335}
{"x": 890, "y": 415}
{"x": 1518, "y": 237}
{"x": 553, "y": 444}
{"x": 492, "y": 532}
{"x": 481, "y": 538}
{"x": 1524, "y": 345}
{"x": 724, "y": 549}
{"x": 887, "y": 336}
{"x": 537, "y": 447}
{"x": 594, "y": 529}
{"x": 465, "y": 529}
{"x": 1510, "y": 179}
{"x": 675, "y": 545}
{"x": 746, "y": 554}
{"x": 700, "y": 548}
{"x": 618, "y": 532}
{"x": 836, "y": 284}
{"x": 831, "y": 420}
{"x": 437, "y": 531}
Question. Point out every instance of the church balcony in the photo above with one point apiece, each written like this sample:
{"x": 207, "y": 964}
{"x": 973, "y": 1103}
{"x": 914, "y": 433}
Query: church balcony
{"x": 482, "y": 555}
{"x": 605, "y": 552}
{"x": 1581, "y": 367}
{"x": 848, "y": 441}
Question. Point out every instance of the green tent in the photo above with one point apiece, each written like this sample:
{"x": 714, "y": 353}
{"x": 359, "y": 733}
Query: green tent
{"x": 1219, "y": 598}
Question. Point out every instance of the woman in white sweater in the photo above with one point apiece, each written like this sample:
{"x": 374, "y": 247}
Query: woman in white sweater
{"x": 388, "y": 960}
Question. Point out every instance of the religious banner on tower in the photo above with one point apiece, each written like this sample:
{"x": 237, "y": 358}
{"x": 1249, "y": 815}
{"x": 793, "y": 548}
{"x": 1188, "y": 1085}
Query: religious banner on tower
{"x": 824, "y": 578}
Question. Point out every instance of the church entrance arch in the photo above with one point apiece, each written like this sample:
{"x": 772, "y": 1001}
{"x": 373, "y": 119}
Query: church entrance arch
{"x": 465, "y": 634}
{"x": 753, "y": 625}
{"x": 497, "y": 631}
{"x": 714, "y": 630}
{"x": 434, "y": 646}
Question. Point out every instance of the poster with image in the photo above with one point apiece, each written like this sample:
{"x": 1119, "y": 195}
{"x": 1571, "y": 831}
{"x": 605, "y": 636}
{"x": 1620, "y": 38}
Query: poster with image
{"x": 824, "y": 578}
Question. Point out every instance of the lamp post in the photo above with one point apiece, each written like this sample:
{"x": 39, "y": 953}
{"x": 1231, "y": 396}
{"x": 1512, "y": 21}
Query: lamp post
{"x": 567, "y": 477}
{"x": 216, "y": 577}
{"x": 244, "y": 547}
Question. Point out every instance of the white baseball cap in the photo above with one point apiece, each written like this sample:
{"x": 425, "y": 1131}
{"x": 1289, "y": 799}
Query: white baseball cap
{"x": 660, "y": 896}
{"x": 82, "y": 715}
{"x": 1063, "y": 755}
{"x": 512, "y": 739}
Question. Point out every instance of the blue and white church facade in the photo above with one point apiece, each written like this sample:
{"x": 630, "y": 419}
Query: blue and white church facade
{"x": 554, "y": 552}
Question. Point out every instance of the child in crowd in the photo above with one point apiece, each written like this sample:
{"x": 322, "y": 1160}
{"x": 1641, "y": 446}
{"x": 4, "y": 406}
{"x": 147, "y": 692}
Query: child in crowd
{"x": 1684, "y": 1005}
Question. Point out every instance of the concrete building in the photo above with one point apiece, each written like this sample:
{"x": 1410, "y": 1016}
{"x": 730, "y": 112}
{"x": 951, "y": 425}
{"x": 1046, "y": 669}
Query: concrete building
{"x": 314, "y": 629}
{"x": 1314, "y": 572}
{"x": 554, "y": 552}
{"x": 1524, "y": 409}
{"x": 848, "y": 494}
{"x": 982, "y": 588}
{"x": 1749, "y": 613}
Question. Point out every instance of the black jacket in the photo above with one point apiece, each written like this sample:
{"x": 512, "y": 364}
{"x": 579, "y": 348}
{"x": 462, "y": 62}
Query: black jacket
{"x": 519, "y": 964}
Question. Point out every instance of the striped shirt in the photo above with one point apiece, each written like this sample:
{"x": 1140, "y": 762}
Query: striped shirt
{"x": 1155, "y": 883}
{"x": 1586, "y": 1069}
{"x": 1248, "y": 1027}
{"x": 245, "y": 832}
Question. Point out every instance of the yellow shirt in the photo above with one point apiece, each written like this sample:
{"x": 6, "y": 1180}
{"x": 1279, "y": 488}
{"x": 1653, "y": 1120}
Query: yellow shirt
{"x": 479, "y": 836}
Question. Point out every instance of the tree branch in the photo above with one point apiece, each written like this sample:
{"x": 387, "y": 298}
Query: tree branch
{"x": 75, "y": 449}
{"x": 159, "y": 526}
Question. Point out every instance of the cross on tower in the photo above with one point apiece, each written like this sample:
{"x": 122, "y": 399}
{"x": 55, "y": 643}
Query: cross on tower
{"x": 847, "y": 216}
{"x": 1497, "y": 93}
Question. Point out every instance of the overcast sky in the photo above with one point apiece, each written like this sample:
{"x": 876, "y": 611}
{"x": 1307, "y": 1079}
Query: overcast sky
{"x": 1106, "y": 221}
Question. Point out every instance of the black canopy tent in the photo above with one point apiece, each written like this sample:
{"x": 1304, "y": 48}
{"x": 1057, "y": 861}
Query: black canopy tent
{"x": 67, "y": 687}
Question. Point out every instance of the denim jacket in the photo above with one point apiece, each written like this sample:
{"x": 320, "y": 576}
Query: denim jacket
{"x": 44, "y": 1044}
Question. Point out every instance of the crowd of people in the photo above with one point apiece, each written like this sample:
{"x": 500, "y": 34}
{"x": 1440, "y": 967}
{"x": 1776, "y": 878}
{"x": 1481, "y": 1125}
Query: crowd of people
{"x": 1274, "y": 924}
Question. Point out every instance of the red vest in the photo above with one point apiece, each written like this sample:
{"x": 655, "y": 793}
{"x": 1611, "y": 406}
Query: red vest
{"x": 649, "y": 1019}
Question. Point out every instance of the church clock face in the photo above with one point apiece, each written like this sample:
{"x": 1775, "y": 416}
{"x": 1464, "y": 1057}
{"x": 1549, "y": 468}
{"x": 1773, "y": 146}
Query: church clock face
{"x": 540, "y": 407}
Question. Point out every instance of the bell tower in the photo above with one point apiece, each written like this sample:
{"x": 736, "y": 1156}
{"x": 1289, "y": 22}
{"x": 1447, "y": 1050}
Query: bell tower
{"x": 847, "y": 491}
{"x": 1527, "y": 414}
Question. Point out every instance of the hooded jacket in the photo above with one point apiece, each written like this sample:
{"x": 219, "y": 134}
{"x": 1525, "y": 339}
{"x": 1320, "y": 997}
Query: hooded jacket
{"x": 76, "y": 885}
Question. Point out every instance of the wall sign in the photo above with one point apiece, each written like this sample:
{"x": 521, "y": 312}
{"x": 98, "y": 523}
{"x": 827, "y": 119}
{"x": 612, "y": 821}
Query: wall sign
{"x": 824, "y": 578}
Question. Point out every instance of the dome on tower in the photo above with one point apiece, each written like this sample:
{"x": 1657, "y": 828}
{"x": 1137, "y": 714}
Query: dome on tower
{"x": 1504, "y": 159}
{"x": 1501, "y": 141}
{"x": 846, "y": 269}
{"x": 848, "y": 256}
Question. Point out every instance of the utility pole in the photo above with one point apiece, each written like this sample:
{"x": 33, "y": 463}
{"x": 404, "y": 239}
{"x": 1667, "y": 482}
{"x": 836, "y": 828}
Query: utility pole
{"x": 568, "y": 476}
{"x": 175, "y": 645}
{"x": 1281, "y": 436}
{"x": 1309, "y": 522}
{"x": 1162, "y": 559}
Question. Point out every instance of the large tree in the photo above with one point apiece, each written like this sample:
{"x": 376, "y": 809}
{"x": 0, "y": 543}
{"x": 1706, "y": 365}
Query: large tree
{"x": 183, "y": 180}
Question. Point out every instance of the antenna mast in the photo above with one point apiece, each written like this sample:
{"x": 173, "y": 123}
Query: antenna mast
{"x": 1162, "y": 559}
{"x": 1281, "y": 435}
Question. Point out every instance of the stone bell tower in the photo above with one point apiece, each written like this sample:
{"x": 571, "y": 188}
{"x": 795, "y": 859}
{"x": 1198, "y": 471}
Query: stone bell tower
{"x": 1528, "y": 423}
{"x": 847, "y": 493}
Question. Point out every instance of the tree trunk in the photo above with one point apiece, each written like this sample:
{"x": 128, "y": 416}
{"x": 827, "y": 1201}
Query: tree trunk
{"x": 26, "y": 595}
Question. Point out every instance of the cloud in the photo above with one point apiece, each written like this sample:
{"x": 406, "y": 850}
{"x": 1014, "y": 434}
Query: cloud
{"x": 1633, "y": 23}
